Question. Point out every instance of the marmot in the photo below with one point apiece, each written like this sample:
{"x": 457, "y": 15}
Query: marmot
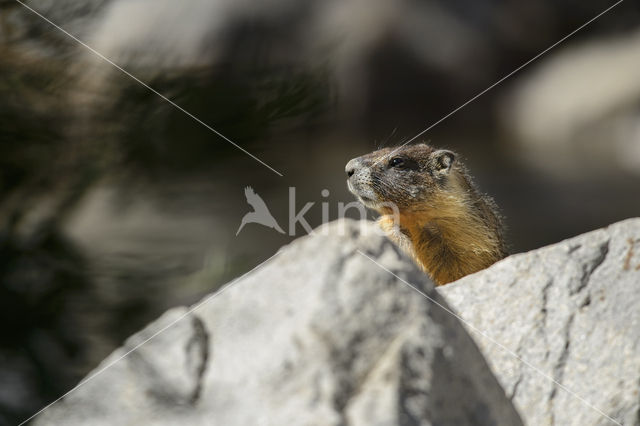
{"x": 448, "y": 226}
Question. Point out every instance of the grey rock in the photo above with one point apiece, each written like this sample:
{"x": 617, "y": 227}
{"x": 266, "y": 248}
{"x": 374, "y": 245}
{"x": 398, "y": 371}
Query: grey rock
{"x": 318, "y": 335}
{"x": 571, "y": 313}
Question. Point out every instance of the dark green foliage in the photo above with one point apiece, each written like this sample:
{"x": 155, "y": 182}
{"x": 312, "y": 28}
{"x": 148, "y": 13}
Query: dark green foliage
{"x": 242, "y": 104}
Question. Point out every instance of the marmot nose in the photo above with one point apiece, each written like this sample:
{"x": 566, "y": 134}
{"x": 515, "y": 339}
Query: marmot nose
{"x": 351, "y": 167}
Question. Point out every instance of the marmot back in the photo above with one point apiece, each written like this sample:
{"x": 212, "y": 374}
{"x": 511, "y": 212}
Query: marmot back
{"x": 441, "y": 219}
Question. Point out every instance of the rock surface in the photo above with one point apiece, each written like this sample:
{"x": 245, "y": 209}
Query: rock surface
{"x": 571, "y": 311}
{"x": 321, "y": 334}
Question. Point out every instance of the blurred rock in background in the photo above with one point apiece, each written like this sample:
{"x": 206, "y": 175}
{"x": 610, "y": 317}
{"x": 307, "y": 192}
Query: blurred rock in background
{"x": 578, "y": 114}
{"x": 110, "y": 197}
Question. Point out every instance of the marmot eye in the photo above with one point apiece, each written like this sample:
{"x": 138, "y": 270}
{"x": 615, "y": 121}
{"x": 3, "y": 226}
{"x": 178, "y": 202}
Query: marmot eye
{"x": 396, "y": 162}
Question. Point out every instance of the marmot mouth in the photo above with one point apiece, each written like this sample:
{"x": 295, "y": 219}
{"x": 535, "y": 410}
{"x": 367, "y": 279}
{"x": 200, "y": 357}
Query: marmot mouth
{"x": 365, "y": 200}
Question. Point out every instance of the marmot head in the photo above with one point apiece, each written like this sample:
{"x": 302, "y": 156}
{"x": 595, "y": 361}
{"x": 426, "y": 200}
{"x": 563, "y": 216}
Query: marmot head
{"x": 408, "y": 177}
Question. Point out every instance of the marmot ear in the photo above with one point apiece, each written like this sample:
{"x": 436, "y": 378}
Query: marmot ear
{"x": 443, "y": 160}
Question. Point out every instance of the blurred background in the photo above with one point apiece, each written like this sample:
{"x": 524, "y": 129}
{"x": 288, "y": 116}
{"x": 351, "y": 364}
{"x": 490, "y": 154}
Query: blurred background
{"x": 115, "y": 206}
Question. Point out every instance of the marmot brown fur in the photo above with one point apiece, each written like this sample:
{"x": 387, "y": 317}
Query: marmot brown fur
{"x": 448, "y": 226}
